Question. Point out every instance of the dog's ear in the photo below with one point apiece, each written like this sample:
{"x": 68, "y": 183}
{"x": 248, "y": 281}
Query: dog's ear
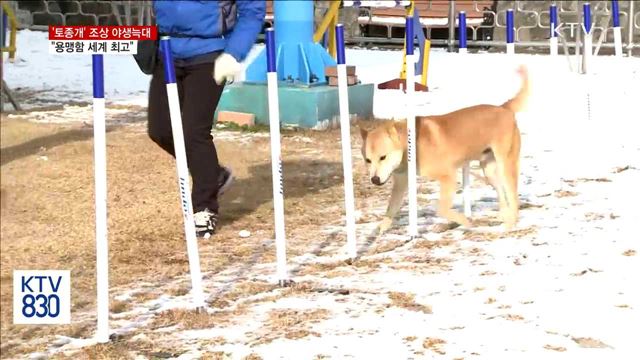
{"x": 397, "y": 130}
{"x": 391, "y": 129}
{"x": 363, "y": 133}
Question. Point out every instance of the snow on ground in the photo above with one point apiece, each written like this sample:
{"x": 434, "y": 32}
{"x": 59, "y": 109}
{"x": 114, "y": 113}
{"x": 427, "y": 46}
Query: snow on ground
{"x": 562, "y": 286}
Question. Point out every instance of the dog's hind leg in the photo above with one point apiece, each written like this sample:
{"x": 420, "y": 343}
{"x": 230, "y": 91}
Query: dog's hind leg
{"x": 490, "y": 171}
{"x": 512, "y": 173}
{"x": 508, "y": 173}
{"x": 400, "y": 184}
{"x": 447, "y": 189}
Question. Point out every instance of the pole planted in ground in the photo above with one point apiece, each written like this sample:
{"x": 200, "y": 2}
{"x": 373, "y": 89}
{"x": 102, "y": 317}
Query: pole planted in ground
{"x": 345, "y": 134}
{"x": 183, "y": 172}
{"x": 617, "y": 30}
{"x": 411, "y": 129}
{"x": 100, "y": 169}
{"x": 511, "y": 46}
{"x": 553, "y": 30}
{"x": 276, "y": 159}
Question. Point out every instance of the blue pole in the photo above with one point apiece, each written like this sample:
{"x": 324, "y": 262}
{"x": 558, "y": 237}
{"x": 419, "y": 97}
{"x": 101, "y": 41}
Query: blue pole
{"x": 553, "y": 20}
{"x": 300, "y": 60}
{"x": 510, "y": 26}
{"x": 409, "y": 35}
{"x": 294, "y": 21}
{"x": 586, "y": 7}
{"x": 616, "y": 13}
{"x": 462, "y": 30}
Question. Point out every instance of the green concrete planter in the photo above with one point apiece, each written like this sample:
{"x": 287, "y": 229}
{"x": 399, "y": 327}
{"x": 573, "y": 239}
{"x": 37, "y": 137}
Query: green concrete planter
{"x": 306, "y": 107}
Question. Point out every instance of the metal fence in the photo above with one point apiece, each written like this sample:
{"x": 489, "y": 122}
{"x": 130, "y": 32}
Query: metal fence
{"x": 531, "y": 24}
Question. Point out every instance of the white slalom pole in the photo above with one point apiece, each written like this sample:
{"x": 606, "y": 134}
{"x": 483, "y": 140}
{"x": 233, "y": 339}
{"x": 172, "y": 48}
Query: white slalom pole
{"x": 586, "y": 54}
{"x": 183, "y": 172}
{"x": 345, "y": 138}
{"x": 553, "y": 46}
{"x": 100, "y": 168}
{"x": 511, "y": 46}
{"x": 617, "y": 31}
{"x": 466, "y": 190}
{"x": 276, "y": 159}
{"x": 617, "y": 40}
{"x": 411, "y": 129}
{"x": 588, "y": 37}
{"x": 553, "y": 33}
{"x": 630, "y": 29}
{"x": 462, "y": 41}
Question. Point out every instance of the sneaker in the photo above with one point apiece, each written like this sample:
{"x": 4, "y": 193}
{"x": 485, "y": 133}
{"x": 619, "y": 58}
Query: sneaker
{"x": 206, "y": 223}
{"x": 225, "y": 179}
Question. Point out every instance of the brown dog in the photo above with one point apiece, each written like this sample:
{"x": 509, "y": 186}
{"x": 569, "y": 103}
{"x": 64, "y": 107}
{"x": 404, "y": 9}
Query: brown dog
{"x": 446, "y": 142}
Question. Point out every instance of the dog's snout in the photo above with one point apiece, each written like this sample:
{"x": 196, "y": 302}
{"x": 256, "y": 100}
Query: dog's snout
{"x": 376, "y": 180}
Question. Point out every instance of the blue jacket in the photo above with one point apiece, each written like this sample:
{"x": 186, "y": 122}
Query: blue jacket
{"x": 202, "y": 27}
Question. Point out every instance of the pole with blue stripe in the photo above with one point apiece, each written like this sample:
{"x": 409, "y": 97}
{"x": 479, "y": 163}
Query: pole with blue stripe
{"x": 411, "y": 129}
{"x": 588, "y": 36}
{"x": 553, "y": 30}
{"x": 345, "y": 138}
{"x": 276, "y": 158}
{"x": 617, "y": 30}
{"x": 100, "y": 169}
{"x": 462, "y": 49}
{"x": 182, "y": 172}
{"x": 462, "y": 32}
{"x": 586, "y": 54}
{"x": 511, "y": 46}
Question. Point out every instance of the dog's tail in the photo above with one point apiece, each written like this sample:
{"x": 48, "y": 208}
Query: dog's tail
{"x": 519, "y": 102}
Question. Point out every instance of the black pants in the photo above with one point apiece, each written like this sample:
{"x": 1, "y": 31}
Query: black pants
{"x": 199, "y": 95}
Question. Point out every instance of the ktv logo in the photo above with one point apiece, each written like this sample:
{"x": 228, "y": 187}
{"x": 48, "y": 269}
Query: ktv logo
{"x": 41, "y": 297}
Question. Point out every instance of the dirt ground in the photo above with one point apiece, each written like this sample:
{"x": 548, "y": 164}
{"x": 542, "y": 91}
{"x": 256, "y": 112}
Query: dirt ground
{"x": 48, "y": 208}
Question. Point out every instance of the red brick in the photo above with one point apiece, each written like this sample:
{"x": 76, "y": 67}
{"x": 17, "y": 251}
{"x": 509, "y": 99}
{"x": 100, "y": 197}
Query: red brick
{"x": 333, "y": 70}
{"x": 351, "y": 80}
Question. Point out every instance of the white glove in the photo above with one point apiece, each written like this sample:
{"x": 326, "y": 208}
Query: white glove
{"x": 225, "y": 68}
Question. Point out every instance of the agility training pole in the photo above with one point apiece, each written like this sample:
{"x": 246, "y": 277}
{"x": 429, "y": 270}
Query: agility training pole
{"x": 462, "y": 49}
{"x": 511, "y": 46}
{"x": 411, "y": 129}
{"x": 424, "y": 47}
{"x": 183, "y": 172}
{"x": 617, "y": 30}
{"x": 462, "y": 32}
{"x": 588, "y": 36}
{"x": 100, "y": 176}
{"x": 345, "y": 138}
{"x": 276, "y": 158}
{"x": 553, "y": 30}
{"x": 587, "y": 52}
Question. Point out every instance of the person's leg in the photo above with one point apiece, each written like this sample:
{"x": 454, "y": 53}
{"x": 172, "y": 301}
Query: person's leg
{"x": 159, "y": 120}
{"x": 201, "y": 96}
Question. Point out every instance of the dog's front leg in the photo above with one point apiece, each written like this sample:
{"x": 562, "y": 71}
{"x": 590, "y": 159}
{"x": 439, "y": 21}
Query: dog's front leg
{"x": 400, "y": 185}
